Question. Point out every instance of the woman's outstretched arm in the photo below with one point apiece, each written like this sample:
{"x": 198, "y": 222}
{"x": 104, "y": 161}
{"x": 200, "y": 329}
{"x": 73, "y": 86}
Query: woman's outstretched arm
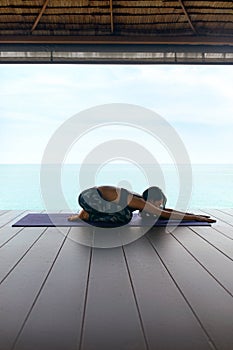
{"x": 140, "y": 204}
{"x": 177, "y": 211}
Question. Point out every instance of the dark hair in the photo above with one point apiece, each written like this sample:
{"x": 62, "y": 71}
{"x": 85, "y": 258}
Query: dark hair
{"x": 154, "y": 193}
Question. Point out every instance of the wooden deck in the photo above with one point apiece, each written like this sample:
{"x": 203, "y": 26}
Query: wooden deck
{"x": 167, "y": 290}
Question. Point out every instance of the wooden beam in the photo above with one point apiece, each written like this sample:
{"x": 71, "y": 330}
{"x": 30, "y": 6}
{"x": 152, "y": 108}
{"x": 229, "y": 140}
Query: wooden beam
{"x": 39, "y": 16}
{"x": 111, "y": 16}
{"x": 187, "y": 16}
{"x": 115, "y": 40}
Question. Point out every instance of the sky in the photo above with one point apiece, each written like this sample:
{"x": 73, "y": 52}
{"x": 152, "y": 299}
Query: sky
{"x": 195, "y": 100}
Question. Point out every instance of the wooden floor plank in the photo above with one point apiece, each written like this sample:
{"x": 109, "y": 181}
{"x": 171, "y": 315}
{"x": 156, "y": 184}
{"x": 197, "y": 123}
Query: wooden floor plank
{"x": 83, "y": 235}
{"x": 3, "y": 212}
{"x": 9, "y": 217}
{"x": 221, "y": 226}
{"x": 19, "y": 290}
{"x": 15, "y": 249}
{"x": 222, "y": 242}
{"x": 7, "y": 233}
{"x": 56, "y": 318}
{"x": 211, "y": 303}
{"x": 168, "y": 320}
{"x": 227, "y": 211}
{"x": 111, "y": 318}
{"x": 219, "y": 265}
{"x": 226, "y": 218}
{"x": 225, "y": 230}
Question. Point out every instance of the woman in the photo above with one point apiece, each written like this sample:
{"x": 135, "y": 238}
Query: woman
{"x": 113, "y": 205}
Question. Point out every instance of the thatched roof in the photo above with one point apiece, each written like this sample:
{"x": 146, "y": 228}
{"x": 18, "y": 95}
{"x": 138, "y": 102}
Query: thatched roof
{"x": 118, "y": 22}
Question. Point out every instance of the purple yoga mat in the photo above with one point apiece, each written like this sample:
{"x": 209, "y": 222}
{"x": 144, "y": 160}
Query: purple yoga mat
{"x": 60, "y": 220}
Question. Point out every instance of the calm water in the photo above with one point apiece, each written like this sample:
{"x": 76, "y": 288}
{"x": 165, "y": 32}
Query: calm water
{"x": 211, "y": 184}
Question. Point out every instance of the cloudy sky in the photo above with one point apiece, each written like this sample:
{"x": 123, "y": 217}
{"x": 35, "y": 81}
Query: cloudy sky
{"x": 35, "y": 100}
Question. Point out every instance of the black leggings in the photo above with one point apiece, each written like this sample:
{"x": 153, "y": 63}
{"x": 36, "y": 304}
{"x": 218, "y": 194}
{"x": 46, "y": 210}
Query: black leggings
{"x": 102, "y": 211}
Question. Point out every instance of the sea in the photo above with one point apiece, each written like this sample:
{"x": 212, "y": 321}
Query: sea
{"x": 196, "y": 186}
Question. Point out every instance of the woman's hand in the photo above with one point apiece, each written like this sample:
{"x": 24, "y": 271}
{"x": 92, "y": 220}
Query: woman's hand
{"x": 82, "y": 215}
{"x": 203, "y": 218}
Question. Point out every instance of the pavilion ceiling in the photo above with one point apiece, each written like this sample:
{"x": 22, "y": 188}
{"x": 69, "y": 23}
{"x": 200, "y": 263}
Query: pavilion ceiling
{"x": 162, "y": 24}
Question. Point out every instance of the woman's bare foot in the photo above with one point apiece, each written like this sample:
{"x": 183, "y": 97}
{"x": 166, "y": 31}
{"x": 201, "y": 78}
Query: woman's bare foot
{"x": 73, "y": 217}
{"x": 83, "y": 215}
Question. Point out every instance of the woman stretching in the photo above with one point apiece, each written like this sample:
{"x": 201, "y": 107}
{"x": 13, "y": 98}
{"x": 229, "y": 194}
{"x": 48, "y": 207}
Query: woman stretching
{"x": 114, "y": 205}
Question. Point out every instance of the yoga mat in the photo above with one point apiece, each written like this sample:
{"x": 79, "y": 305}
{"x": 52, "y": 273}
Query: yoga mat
{"x": 60, "y": 220}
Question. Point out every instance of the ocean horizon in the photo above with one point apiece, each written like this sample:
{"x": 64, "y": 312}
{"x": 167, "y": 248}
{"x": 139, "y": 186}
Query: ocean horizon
{"x": 20, "y": 184}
